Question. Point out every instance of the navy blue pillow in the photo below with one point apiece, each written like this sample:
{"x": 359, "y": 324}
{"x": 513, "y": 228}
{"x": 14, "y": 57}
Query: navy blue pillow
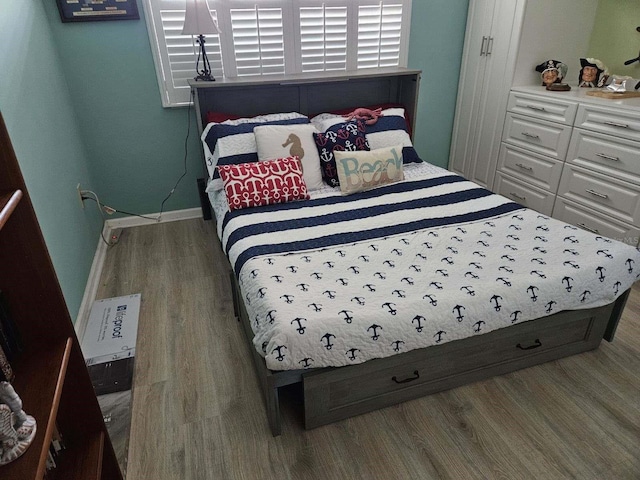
{"x": 346, "y": 136}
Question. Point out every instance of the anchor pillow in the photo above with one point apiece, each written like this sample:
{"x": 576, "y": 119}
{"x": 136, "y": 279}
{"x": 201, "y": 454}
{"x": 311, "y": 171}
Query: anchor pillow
{"x": 347, "y": 136}
{"x": 255, "y": 184}
{"x": 360, "y": 171}
{"x": 390, "y": 129}
{"x": 278, "y": 141}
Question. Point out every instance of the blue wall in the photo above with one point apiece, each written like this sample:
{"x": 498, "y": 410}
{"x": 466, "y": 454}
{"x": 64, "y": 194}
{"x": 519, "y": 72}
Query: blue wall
{"x": 437, "y": 39}
{"x": 136, "y": 146}
{"x": 40, "y": 117}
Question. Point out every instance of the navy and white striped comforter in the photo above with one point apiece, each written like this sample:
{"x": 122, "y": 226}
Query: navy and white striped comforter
{"x": 341, "y": 280}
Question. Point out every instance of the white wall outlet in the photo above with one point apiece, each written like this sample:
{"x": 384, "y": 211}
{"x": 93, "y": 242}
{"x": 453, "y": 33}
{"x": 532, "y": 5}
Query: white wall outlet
{"x": 79, "y": 188}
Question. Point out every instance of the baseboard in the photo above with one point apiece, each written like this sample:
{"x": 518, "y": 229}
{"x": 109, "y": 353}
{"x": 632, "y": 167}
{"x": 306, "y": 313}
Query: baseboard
{"x": 91, "y": 289}
{"x": 175, "y": 215}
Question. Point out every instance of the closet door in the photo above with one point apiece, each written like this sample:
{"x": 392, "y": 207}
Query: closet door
{"x": 491, "y": 44}
{"x": 471, "y": 85}
{"x": 500, "y": 59}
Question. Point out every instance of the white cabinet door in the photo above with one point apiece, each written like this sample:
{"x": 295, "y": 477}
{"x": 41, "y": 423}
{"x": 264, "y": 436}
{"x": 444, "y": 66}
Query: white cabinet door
{"x": 491, "y": 44}
{"x": 470, "y": 85}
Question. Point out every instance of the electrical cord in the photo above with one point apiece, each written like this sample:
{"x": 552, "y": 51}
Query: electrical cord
{"x": 186, "y": 150}
{"x": 110, "y": 210}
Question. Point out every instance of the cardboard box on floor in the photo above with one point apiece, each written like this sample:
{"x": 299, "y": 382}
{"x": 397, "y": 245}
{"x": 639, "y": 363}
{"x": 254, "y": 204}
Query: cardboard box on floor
{"x": 109, "y": 342}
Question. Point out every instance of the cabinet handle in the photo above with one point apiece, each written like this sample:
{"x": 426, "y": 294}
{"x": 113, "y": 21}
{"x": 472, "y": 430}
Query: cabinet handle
{"x": 518, "y": 196}
{"x": 524, "y": 167}
{"x": 482, "y": 47}
{"x": 608, "y": 157}
{"x": 592, "y": 230}
{"x": 614, "y": 124}
{"x": 597, "y": 194}
{"x": 536, "y": 344}
{"x": 489, "y": 45}
{"x": 416, "y": 376}
{"x": 531, "y": 135}
{"x": 539, "y": 109}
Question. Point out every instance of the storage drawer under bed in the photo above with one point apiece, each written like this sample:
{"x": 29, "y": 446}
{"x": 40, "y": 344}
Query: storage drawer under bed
{"x": 335, "y": 394}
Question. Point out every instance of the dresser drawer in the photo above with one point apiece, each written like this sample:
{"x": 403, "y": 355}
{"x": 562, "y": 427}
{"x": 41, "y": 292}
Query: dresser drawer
{"x": 609, "y": 155}
{"x": 539, "y": 170}
{"x": 540, "y": 136}
{"x": 544, "y": 108}
{"x": 584, "y": 217}
{"x": 618, "y": 122}
{"x": 611, "y": 197}
{"x": 524, "y": 193}
{"x": 342, "y": 392}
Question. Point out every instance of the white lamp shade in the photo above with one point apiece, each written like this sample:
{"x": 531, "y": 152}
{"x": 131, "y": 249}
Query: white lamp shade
{"x": 198, "y": 19}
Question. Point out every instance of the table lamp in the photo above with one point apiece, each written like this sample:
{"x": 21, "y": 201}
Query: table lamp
{"x": 198, "y": 21}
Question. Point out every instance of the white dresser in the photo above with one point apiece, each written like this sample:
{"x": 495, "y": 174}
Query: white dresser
{"x": 574, "y": 157}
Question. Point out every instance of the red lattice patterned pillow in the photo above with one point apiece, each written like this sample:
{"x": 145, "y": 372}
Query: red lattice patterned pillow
{"x": 263, "y": 183}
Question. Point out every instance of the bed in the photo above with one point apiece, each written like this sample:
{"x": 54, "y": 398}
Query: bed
{"x": 410, "y": 288}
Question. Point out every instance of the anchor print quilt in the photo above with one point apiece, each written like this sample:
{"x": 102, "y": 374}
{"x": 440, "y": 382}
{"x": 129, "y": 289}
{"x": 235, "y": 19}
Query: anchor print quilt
{"x": 339, "y": 280}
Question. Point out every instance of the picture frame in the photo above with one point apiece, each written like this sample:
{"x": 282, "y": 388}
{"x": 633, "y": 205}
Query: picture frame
{"x": 97, "y": 10}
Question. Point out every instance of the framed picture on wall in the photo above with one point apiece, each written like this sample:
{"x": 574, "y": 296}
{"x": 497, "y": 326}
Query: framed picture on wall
{"x": 97, "y": 10}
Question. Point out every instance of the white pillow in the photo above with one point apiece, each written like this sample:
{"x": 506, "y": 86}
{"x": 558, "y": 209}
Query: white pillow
{"x": 279, "y": 141}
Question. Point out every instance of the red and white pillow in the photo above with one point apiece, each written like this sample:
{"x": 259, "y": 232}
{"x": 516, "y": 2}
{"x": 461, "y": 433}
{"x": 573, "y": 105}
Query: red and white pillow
{"x": 263, "y": 183}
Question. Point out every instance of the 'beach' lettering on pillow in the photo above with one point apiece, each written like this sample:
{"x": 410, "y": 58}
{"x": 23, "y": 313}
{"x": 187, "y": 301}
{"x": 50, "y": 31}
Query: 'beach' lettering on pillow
{"x": 364, "y": 170}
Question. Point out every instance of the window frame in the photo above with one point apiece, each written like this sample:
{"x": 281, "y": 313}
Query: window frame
{"x": 174, "y": 96}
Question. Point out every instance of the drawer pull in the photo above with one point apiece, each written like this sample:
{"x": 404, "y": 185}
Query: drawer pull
{"x": 614, "y": 124}
{"x": 597, "y": 194}
{"x": 608, "y": 157}
{"x": 531, "y": 135}
{"x": 539, "y": 109}
{"x": 537, "y": 344}
{"x": 519, "y": 197}
{"x": 592, "y": 230}
{"x": 416, "y": 376}
{"x": 524, "y": 167}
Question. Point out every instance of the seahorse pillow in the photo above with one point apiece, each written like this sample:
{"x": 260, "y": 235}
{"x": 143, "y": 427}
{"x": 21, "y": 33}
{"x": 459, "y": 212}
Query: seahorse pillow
{"x": 263, "y": 183}
{"x": 362, "y": 170}
{"x": 279, "y": 141}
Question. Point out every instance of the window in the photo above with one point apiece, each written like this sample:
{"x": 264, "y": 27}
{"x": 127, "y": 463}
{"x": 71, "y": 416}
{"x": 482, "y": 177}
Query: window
{"x": 266, "y": 37}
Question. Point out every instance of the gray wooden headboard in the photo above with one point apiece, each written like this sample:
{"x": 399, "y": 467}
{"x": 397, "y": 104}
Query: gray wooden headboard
{"x": 309, "y": 94}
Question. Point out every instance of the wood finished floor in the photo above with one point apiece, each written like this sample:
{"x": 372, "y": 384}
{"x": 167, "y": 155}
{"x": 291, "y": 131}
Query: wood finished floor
{"x": 198, "y": 413}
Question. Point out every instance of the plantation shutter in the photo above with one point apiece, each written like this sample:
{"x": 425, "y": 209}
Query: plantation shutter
{"x": 381, "y": 42}
{"x": 266, "y": 37}
{"x": 175, "y": 55}
{"x": 323, "y": 35}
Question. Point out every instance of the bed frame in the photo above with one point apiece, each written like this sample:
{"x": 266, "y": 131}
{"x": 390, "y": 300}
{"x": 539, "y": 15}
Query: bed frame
{"x": 332, "y": 394}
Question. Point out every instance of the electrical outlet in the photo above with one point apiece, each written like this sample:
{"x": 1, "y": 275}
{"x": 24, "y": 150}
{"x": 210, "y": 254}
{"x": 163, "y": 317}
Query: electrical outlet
{"x": 80, "y": 196}
{"x": 114, "y": 236}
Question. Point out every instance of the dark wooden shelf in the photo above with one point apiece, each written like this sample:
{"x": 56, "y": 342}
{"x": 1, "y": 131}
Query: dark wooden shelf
{"x": 51, "y": 377}
{"x": 81, "y": 461}
{"x": 8, "y": 203}
{"x": 39, "y": 380}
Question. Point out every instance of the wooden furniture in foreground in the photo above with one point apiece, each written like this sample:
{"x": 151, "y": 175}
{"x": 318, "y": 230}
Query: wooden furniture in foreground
{"x": 50, "y": 374}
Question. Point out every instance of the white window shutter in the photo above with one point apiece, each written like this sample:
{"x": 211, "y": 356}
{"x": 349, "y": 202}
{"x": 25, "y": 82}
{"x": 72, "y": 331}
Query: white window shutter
{"x": 263, "y": 37}
{"x": 323, "y": 35}
{"x": 175, "y": 54}
{"x": 380, "y": 34}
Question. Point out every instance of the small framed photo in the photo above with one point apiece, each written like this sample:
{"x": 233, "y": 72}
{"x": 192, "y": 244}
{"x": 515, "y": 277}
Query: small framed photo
{"x": 97, "y": 10}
